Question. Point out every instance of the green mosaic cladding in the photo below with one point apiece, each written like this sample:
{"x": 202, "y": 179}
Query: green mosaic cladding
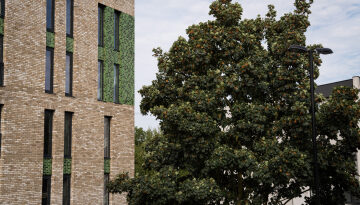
{"x": 47, "y": 166}
{"x": 1, "y": 26}
{"x": 69, "y": 44}
{"x": 67, "y": 166}
{"x": 101, "y": 53}
{"x": 106, "y": 166}
{"x": 50, "y": 39}
{"x": 127, "y": 59}
{"x": 124, "y": 57}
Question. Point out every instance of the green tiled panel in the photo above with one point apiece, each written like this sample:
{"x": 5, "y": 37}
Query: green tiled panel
{"x": 50, "y": 39}
{"x": 67, "y": 166}
{"x": 126, "y": 59}
{"x": 101, "y": 53}
{"x": 2, "y": 26}
{"x": 107, "y": 54}
{"x": 108, "y": 80}
{"x": 47, "y": 166}
{"x": 106, "y": 166}
{"x": 69, "y": 44}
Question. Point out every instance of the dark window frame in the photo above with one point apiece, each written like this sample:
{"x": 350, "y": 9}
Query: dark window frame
{"x": 46, "y": 190}
{"x": 106, "y": 191}
{"x": 52, "y": 16}
{"x": 70, "y": 94}
{"x": 66, "y": 189}
{"x": 51, "y": 90}
{"x": 2, "y": 10}
{"x": 101, "y": 12}
{"x": 68, "y": 134}
{"x": 48, "y": 129}
{"x": 100, "y": 95}
{"x": 1, "y": 60}
{"x": 116, "y": 30}
{"x": 116, "y": 83}
{"x": 107, "y": 136}
{"x": 71, "y": 16}
{"x": 1, "y": 110}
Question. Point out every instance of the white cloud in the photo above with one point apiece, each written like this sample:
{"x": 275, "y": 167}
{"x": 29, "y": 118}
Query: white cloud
{"x": 335, "y": 24}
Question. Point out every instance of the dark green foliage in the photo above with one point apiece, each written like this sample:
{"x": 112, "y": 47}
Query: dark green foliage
{"x": 127, "y": 44}
{"x": 235, "y": 120}
{"x": 124, "y": 57}
{"x": 67, "y": 166}
{"x": 69, "y": 44}
{"x": 142, "y": 139}
{"x": 47, "y": 166}
{"x": 50, "y": 39}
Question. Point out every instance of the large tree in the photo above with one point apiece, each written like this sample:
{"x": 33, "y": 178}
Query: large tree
{"x": 233, "y": 105}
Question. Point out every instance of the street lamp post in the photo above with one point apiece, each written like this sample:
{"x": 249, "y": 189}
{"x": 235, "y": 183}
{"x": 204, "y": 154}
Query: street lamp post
{"x": 310, "y": 52}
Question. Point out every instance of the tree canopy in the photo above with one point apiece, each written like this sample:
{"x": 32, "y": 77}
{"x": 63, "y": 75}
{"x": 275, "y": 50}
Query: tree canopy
{"x": 142, "y": 137}
{"x": 233, "y": 105}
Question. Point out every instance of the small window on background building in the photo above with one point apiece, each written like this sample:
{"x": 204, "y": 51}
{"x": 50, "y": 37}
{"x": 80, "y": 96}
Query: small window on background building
{"x": 69, "y": 74}
{"x": 50, "y": 13}
{"x": 67, "y": 134}
{"x": 101, "y": 25}
{"x": 116, "y": 83}
{"x": 46, "y": 190}
{"x": 48, "y": 124}
{"x": 69, "y": 17}
{"x": 116, "y": 30}
{"x": 66, "y": 189}
{"x": 49, "y": 70}
{"x": 2, "y": 9}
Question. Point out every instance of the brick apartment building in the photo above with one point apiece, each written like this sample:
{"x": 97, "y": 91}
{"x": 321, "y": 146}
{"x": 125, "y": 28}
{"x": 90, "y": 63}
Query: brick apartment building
{"x": 66, "y": 99}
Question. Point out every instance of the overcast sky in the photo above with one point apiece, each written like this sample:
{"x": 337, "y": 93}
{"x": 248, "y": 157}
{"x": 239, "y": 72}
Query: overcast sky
{"x": 158, "y": 23}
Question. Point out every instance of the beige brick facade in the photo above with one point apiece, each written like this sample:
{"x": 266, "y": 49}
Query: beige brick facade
{"x": 24, "y": 100}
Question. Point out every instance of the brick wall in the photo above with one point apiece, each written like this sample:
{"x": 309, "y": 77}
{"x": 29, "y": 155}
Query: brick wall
{"x": 24, "y": 99}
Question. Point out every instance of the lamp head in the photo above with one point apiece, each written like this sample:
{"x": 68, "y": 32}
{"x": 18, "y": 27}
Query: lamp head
{"x": 297, "y": 48}
{"x": 324, "y": 51}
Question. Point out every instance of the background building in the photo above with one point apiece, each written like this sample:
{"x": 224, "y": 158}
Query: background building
{"x": 66, "y": 99}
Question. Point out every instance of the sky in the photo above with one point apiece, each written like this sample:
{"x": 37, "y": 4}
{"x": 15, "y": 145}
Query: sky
{"x": 158, "y": 23}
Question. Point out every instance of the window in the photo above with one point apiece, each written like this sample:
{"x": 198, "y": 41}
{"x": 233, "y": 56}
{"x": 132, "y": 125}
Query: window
{"x": 107, "y": 137}
{"x": 66, "y": 189}
{"x": 2, "y": 9}
{"x": 116, "y": 83}
{"x": 50, "y": 11}
{"x": 106, "y": 155}
{"x": 69, "y": 17}
{"x": 100, "y": 93}
{"x": 1, "y": 61}
{"x": 48, "y": 124}
{"x": 1, "y": 106}
{"x": 106, "y": 192}
{"x": 101, "y": 25}
{"x": 116, "y": 30}
{"x": 69, "y": 74}
{"x": 67, "y": 134}
{"x": 49, "y": 70}
{"x": 46, "y": 190}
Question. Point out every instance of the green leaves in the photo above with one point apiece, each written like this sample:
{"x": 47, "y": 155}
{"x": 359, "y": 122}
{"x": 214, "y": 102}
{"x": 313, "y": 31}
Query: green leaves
{"x": 233, "y": 105}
